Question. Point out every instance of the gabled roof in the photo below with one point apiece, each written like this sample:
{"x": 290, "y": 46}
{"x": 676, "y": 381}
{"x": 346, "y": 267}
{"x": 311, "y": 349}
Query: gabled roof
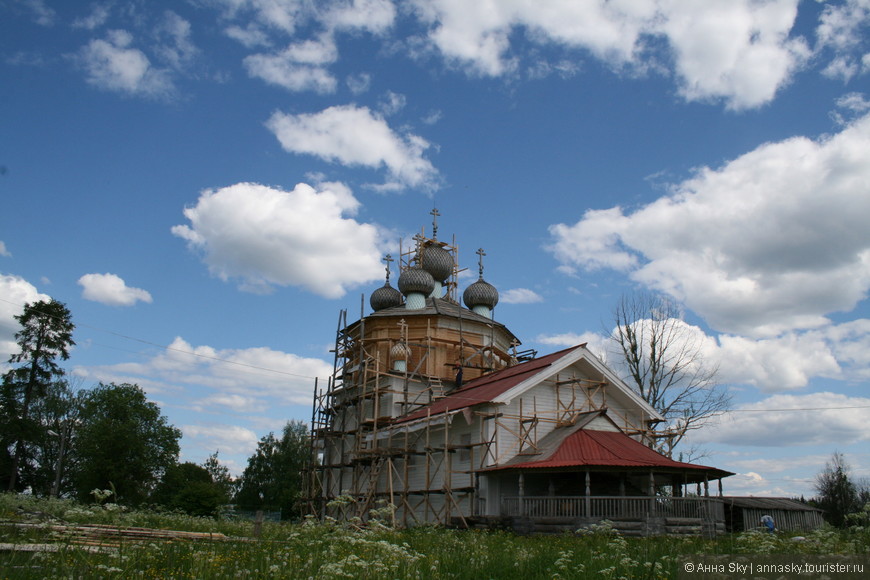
{"x": 488, "y": 387}
{"x": 504, "y": 385}
{"x": 592, "y": 448}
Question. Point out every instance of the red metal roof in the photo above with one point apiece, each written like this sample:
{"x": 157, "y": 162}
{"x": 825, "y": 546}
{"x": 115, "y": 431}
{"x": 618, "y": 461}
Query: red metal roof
{"x": 488, "y": 387}
{"x": 591, "y": 448}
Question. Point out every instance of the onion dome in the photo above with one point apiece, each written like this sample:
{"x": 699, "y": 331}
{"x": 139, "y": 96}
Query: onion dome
{"x": 481, "y": 296}
{"x": 437, "y": 261}
{"x": 400, "y": 351}
{"x": 385, "y": 297}
{"x": 481, "y": 293}
{"x": 416, "y": 280}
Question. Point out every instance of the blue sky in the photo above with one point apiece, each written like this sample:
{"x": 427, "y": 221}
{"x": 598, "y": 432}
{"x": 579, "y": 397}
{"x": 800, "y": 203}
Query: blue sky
{"x": 207, "y": 183}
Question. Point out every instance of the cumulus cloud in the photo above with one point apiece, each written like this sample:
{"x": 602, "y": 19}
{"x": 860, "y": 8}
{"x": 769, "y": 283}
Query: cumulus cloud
{"x": 267, "y": 237}
{"x": 226, "y": 439}
{"x": 3, "y": 251}
{"x": 16, "y": 292}
{"x": 98, "y": 16}
{"x": 595, "y": 342}
{"x": 520, "y": 296}
{"x": 111, "y": 290}
{"x": 374, "y": 16}
{"x": 175, "y": 46}
{"x": 299, "y": 67}
{"x": 739, "y": 51}
{"x": 256, "y": 378}
{"x": 783, "y": 363}
{"x": 114, "y": 65}
{"x": 824, "y": 418}
{"x": 286, "y": 16}
{"x": 356, "y": 136}
{"x": 841, "y": 33}
{"x": 772, "y": 241}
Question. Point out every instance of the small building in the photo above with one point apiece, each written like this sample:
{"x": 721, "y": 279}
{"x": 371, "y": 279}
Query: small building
{"x": 434, "y": 410}
{"x": 789, "y": 515}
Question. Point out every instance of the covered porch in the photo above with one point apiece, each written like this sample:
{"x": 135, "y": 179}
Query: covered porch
{"x": 591, "y": 476}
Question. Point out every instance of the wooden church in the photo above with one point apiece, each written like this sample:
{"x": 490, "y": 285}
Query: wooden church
{"x": 434, "y": 413}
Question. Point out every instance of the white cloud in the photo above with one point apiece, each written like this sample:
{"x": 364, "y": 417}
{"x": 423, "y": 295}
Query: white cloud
{"x": 779, "y": 364}
{"x": 98, "y": 16}
{"x": 267, "y": 236}
{"x": 113, "y": 65}
{"x": 391, "y": 103}
{"x": 42, "y": 14}
{"x": 111, "y": 290}
{"x": 840, "y": 24}
{"x": 176, "y": 47}
{"x": 226, "y": 439}
{"x": 16, "y": 292}
{"x": 250, "y": 36}
{"x": 772, "y": 241}
{"x": 825, "y": 418}
{"x": 243, "y": 380}
{"x": 739, "y": 51}
{"x": 787, "y": 362}
{"x": 595, "y": 342}
{"x": 359, "y": 83}
{"x": 520, "y": 296}
{"x": 375, "y": 16}
{"x": 3, "y": 251}
{"x": 355, "y": 136}
{"x": 299, "y": 67}
{"x": 735, "y": 50}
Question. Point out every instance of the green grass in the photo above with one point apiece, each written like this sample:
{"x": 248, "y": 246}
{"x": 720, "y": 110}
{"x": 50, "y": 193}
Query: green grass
{"x": 329, "y": 550}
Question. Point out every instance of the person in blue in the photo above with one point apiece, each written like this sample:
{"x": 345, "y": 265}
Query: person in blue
{"x": 768, "y": 523}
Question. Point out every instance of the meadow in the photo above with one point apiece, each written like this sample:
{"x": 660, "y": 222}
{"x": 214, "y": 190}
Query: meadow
{"x": 326, "y": 550}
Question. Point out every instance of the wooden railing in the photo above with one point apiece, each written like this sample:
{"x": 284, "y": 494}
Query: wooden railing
{"x": 613, "y": 507}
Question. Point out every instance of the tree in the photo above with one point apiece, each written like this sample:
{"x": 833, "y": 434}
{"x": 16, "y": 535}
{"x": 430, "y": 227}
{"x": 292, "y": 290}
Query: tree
{"x": 662, "y": 358}
{"x": 189, "y": 487}
{"x": 52, "y": 452}
{"x": 273, "y": 479}
{"x": 838, "y": 496}
{"x": 45, "y": 336}
{"x": 123, "y": 443}
{"x": 220, "y": 475}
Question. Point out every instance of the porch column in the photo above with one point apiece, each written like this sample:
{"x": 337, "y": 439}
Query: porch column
{"x": 720, "y": 486}
{"x": 652, "y": 492}
{"x": 522, "y": 493}
{"x": 475, "y": 495}
{"x": 587, "y": 502}
{"x": 706, "y": 486}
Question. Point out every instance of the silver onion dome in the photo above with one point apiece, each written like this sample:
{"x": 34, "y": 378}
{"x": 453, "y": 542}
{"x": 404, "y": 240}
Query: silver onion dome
{"x": 416, "y": 280}
{"x": 481, "y": 293}
{"x": 385, "y": 297}
{"x": 437, "y": 261}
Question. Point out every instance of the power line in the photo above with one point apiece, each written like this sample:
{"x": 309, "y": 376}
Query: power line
{"x": 798, "y": 409}
{"x": 226, "y": 361}
{"x": 171, "y": 349}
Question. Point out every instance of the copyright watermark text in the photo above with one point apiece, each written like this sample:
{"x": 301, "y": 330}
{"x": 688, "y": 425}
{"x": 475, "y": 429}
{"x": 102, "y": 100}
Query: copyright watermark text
{"x": 763, "y": 566}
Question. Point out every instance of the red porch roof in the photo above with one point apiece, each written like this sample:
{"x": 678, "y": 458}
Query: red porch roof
{"x": 591, "y": 448}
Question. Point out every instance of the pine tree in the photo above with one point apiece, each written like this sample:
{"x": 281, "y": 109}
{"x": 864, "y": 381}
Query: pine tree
{"x": 44, "y": 339}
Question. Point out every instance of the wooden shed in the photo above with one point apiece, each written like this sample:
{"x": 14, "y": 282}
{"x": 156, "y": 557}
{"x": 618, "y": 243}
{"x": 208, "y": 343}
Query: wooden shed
{"x": 789, "y": 515}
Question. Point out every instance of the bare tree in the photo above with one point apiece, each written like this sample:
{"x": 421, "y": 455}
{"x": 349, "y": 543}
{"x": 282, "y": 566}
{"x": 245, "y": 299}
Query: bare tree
{"x": 662, "y": 358}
